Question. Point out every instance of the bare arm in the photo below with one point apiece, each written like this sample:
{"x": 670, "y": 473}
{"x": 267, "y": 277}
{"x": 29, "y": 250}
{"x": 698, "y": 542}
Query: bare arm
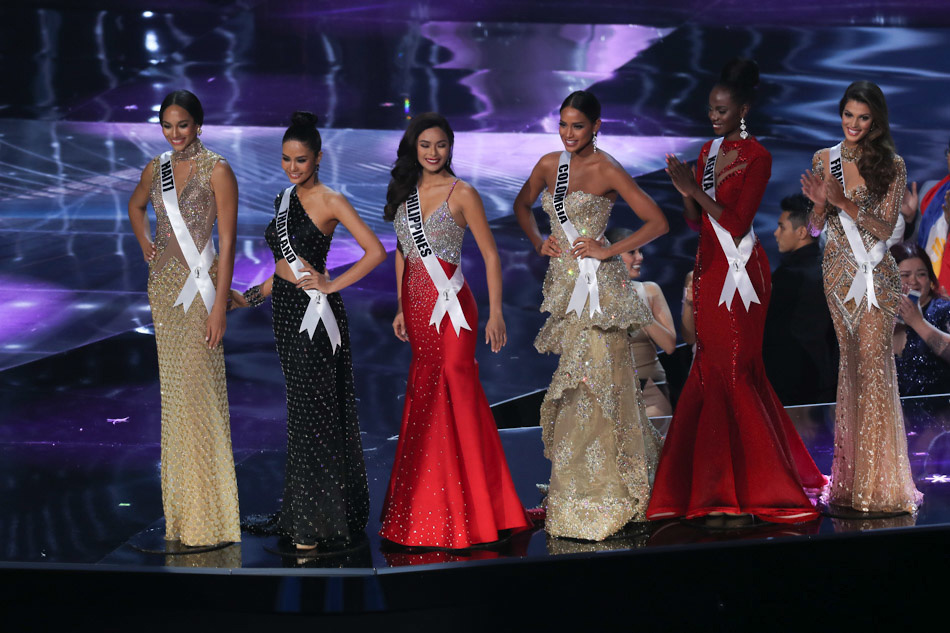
{"x": 225, "y": 188}
{"x": 935, "y": 338}
{"x": 661, "y": 331}
{"x": 138, "y": 213}
{"x": 474, "y": 213}
{"x": 530, "y": 191}
{"x": 654, "y": 222}
{"x": 399, "y": 323}
{"x": 373, "y": 252}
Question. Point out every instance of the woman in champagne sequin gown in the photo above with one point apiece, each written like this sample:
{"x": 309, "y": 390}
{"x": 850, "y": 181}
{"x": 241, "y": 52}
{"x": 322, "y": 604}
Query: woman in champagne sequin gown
{"x": 325, "y": 498}
{"x": 603, "y": 448}
{"x": 450, "y": 486}
{"x": 731, "y": 449}
{"x": 870, "y": 471}
{"x": 199, "y": 490}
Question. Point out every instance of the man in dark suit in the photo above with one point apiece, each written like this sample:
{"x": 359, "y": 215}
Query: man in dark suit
{"x": 799, "y": 346}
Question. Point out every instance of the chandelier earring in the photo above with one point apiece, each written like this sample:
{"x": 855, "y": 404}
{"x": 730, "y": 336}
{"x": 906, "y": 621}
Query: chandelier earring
{"x": 595, "y": 143}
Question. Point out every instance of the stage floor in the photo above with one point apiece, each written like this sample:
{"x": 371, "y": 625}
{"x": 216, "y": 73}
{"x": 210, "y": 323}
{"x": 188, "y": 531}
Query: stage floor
{"x": 86, "y": 503}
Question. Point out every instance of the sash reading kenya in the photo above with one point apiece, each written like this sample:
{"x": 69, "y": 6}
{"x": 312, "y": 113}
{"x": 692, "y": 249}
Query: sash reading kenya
{"x": 448, "y": 288}
{"x": 199, "y": 281}
{"x": 319, "y": 308}
{"x": 586, "y": 283}
{"x": 867, "y": 261}
{"x": 738, "y": 256}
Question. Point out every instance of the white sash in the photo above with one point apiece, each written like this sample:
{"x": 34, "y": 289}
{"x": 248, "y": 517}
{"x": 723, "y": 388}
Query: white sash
{"x": 199, "y": 280}
{"x": 738, "y": 256}
{"x": 319, "y": 308}
{"x": 447, "y": 300}
{"x": 586, "y": 283}
{"x": 863, "y": 282}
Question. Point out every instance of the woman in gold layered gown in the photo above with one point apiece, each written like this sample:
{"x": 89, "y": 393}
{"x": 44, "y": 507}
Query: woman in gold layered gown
{"x": 870, "y": 471}
{"x": 199, "y": 490}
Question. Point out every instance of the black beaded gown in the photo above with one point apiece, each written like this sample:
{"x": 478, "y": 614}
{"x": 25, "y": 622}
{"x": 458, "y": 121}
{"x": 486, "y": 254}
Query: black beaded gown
{"x": 326, "y": 498}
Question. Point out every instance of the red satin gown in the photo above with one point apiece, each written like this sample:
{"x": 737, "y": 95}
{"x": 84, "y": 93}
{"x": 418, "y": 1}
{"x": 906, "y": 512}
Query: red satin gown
{"x": 450, "y": 485}
{"x": 731, "y": 447}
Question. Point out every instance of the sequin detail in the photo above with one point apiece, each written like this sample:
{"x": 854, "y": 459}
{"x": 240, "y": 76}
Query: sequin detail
{"x": 444, "y": 235}
{"x": 594, "y": 426}
{"x": 870, "y": 470}
{"x": 199, "y": 490}
{"x": 195, "y": 200}
{"x": 326, "y": 498}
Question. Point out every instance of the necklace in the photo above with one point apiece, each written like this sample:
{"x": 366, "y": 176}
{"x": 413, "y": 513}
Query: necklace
{"x": 851, "y": 154}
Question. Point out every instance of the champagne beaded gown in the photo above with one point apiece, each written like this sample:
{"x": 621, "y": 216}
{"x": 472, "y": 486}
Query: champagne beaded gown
{"x": 199, "y": 490}
{"x": 326, "y": 498}
{"x": 870, "y": 471}
{"x": 603, "y": 448}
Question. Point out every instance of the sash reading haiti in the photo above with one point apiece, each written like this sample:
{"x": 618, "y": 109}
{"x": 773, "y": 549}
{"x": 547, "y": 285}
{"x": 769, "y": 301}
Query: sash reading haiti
{"x": 199, "y": 264}
{"x": 737, "y": 279}
{"x": 867, "y": 261}
{"x": 319, "y": 308}
{"x": 586, "y": 284}
{"x": 447, "y": 301}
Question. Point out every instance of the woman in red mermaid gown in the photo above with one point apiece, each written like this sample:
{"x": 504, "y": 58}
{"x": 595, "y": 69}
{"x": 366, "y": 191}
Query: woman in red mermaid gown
{"x": 731, "y": 448}
{"x": 450, "y": 486}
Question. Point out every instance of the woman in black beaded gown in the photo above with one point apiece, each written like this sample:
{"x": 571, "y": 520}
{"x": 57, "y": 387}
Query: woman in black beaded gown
{"x": 326, "y": 500}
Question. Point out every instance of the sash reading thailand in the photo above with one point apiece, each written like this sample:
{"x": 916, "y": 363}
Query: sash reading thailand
{"x": 319, "y": 308}
{"x": 738, "y": 256}
{"x": 199, "y": 281}
{"x": 867, "y": 261}
{"x": 586, "y": 283}
{"x": 447, "y": 301}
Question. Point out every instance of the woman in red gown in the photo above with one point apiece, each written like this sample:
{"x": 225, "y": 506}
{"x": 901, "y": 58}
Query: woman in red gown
{"x": 731, "y": 448}
{"x": 450, "y": 486}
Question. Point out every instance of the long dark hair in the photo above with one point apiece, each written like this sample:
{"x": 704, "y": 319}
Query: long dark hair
{"x": 910, "y": 250}
{"x": 303, "y": 128}
{"x": 876, "y": 164}
{"x": 406, "y": 170}
{"x": 740, "y": 76}
{"x": 183, "y": 99}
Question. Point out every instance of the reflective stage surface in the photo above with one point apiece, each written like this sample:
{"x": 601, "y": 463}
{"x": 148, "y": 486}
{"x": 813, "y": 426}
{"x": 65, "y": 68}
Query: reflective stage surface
{"x": 79, "y": 396}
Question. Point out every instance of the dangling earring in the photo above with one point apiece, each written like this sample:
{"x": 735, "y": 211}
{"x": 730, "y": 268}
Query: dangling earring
{"x": 316, "y": 173}
{"x": 742, "y": 131}
{"x": 595, "y": 143}
{"x": 199, "y": 131}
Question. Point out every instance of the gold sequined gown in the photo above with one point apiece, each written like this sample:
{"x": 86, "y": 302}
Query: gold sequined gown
{"x": 603, "y": 448}
{"x": 870, "y": 470}
{"x": 199, "y": 490}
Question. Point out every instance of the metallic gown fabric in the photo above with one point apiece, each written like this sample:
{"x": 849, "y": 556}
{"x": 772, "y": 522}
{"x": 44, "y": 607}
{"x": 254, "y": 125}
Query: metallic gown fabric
{"x": 602, "y": 447}
{"x": 450, "y": 485}
{"x": 199, "y": 491}
{"x": 326, "y": 497}
{"x": 870, "y": 471}
{"x": 731, "y": 447}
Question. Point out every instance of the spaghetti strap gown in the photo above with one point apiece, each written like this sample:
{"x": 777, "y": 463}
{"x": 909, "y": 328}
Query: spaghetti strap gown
{"x": 326, "y": 498}
{"x": 731, "y": 447}
{"x": 450, "y": 486}
{"x": 199, "y": 488}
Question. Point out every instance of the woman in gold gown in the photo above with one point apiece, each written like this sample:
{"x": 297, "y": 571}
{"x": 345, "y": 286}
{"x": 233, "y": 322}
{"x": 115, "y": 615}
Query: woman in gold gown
{"x": 199, "y": 490}
{"x": 603, "y": 448}
{"x": 870, "y": 471}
